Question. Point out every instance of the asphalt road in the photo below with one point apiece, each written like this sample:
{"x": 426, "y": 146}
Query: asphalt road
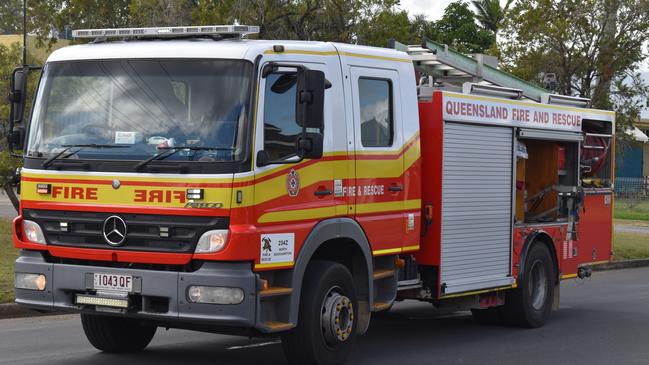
{"x": 626, "y": 228}
{"x": 604, "y": 320}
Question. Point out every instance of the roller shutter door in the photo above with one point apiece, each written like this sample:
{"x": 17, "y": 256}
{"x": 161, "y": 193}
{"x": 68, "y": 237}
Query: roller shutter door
{"x": 476, "y": 207}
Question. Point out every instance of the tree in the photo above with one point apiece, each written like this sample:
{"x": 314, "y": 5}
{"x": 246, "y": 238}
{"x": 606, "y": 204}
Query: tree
{"x": 152, "y": 13}
{"x": 386, "y": 25}
{"x": 490, "y": 14}
{"x": 326, "y": 20}
{"x": 458, "y": 29}
{"x": 593, "y": 46}
{"x": 10, "y": 16}
{"x": 10, "y": 57}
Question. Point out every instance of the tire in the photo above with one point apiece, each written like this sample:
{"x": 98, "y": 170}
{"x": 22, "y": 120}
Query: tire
{"x": 327, "y": 293}
{"x": 117, "y": 335}
{"x": 486, "y": 317}
{"x": 530, "y": 304}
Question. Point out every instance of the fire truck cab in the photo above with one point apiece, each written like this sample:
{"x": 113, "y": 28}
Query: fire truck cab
{"x": 191, "y": 178}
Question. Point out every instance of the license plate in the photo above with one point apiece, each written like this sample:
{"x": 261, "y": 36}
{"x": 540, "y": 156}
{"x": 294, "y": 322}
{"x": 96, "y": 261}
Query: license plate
{"x": 123, "y": 283}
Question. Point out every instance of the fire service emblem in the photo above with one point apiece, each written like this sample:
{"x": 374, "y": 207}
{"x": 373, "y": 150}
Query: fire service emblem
{"x": 292, "y": 183}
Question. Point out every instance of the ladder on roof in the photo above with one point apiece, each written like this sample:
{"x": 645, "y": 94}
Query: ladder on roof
{"x": 446, "y": 65}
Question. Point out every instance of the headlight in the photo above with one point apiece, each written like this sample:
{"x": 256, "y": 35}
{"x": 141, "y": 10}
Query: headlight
{"x": 30, "y": 281}
{"x": 214, "y": 295}
{"x": 212, "y": 241}
{"x": 33, "y": 232}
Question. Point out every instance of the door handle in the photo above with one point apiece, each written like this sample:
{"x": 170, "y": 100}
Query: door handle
{"x": 395, "y": 188}
{"x": 323, "y": 192}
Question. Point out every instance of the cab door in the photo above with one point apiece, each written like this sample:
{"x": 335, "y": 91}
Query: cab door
{"x": 291, "y": 196}
{"x": 379, "y": 159}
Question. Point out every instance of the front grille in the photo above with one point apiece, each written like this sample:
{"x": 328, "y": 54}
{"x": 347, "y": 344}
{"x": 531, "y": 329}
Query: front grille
{"x": 84, "y": 229}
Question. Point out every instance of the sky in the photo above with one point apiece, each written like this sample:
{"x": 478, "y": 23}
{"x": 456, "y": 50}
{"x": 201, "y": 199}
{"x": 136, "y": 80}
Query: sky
{"x": 433, "y": 9}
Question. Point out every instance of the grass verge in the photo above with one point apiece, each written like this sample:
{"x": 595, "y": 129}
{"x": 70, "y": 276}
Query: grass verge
{"x": 8, "y": 254}
{"x": 631, "y": 209}
{"x": 630, "y": 246}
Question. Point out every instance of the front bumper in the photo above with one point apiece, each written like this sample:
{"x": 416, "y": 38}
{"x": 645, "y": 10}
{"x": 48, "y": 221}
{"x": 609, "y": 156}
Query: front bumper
{"x": 162, "y": 296}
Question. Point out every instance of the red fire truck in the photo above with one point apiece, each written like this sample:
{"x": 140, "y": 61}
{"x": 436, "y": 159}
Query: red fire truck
{"x": 187, "y": 177}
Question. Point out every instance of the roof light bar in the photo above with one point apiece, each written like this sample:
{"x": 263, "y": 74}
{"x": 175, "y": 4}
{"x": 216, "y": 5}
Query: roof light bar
{"x": 240, "y": 30}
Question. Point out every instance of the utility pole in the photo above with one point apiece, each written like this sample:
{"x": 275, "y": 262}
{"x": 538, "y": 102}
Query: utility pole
{"x": 24, "y": 33}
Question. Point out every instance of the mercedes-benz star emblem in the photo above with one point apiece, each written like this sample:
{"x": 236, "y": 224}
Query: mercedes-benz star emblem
{"x": 116, "y": 184}
{"x": 114, "y": 230}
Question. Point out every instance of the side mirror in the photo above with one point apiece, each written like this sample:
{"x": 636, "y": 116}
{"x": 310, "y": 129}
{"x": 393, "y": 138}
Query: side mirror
{"x": 262, "y": 158}
{"x": 18, "y": 98}
{"x": 309, "y": 109}
{"x": 311, "y": 145}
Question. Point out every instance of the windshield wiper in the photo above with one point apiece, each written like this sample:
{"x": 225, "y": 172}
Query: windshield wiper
{"x": 79, "y": 147}
{"x": 172, "y": 150}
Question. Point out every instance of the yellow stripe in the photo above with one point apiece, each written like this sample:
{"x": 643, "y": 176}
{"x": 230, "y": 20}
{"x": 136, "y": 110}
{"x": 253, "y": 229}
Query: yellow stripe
{"x": 305, "y": 52}
{"x": 388, "y": 206}
{"x": 478, "y": 292}
{"x": 568, "y": 276}
{"x": 411, "y": 155}
{"x": 410, "y": 248}
{"x": 334, "y": 53}
{"x": 383, "y": 58}
{"x": 522, "y": 103}
{"x": 330, "y": 211}
{"x": 386, "y": 251}
{"x": 273, "y": 265}
{"x": 296, "y": 215}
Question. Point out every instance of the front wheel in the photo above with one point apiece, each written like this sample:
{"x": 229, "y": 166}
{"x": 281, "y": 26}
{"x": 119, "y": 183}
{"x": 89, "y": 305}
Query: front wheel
{"x": 326, "y": 330}
{"x": 530, "y": 304}
{"x": 117, "y": 335}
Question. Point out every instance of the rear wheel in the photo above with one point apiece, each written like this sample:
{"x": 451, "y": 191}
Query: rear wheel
{"x": 326, "y": 330}
{"x": 119, "y": 335}
{"x": 530, "y": 304}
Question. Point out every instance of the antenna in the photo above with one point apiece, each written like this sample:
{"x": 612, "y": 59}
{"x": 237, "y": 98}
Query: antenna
{"x": 24, "y": 33}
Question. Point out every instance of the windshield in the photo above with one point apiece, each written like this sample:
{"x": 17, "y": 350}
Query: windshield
{"x": 143, "y": 106}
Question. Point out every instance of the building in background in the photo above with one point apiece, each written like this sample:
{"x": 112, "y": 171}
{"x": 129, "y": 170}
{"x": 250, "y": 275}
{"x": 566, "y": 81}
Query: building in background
{"x": 632, "y": 158}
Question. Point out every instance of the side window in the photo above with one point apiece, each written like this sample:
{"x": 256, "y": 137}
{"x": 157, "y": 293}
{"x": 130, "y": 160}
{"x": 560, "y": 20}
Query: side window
{"x": 281, "y": 131}
{"x": 377, "y": 122}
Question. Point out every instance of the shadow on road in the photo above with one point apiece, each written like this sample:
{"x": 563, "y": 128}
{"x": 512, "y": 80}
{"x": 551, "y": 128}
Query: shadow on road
{"x": 410, "y": 334}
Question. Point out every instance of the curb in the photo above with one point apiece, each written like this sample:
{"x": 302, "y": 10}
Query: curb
{"x": 617, "y": 265}
{"x": 13, "y": 310}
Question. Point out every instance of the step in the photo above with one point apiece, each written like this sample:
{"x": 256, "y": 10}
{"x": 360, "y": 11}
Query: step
{"x": 381, "y": 306}
{"x": 275, "y": 291}
{"x": 382, "y": 274}
{"x": 277, "y": 326}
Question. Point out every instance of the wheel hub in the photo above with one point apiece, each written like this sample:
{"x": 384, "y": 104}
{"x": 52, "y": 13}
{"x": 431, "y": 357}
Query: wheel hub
{"x": 538, "y": 282}
{"x": 337, "y": 317}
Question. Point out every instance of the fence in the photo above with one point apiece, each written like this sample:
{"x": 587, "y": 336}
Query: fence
{"x": 632, "y": 197}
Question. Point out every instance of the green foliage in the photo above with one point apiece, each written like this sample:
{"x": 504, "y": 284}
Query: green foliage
{"x": 150, "y": 13}
{"x": 490, "y": 14}
{"x": 10, "y": 57}
{"x": 386, "y": 25}
{"x": 458, "y": 29}
{"x": 593, "y": 46}
{"x": 8, "y": 255}
{"x": 10, "y": 16}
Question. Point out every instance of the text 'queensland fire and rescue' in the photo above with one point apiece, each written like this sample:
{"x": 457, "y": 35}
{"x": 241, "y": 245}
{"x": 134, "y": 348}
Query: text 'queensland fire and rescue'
{"x": 479, "y": 110}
